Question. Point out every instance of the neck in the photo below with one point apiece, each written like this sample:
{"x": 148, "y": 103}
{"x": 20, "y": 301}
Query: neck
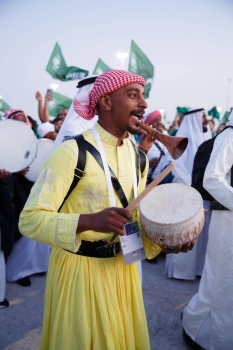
{"x": 120, "y": 135}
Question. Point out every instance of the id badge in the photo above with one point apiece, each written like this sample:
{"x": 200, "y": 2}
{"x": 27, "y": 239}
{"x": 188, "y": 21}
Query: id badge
{"x": 131, "y": 243}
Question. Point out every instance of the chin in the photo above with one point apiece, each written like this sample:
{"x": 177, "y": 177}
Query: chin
{"x": 132, "y": 130}
{"x": 205, "y": 129}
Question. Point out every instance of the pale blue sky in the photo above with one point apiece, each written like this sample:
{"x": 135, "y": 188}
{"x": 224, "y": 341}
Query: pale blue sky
{"x": 190, "y": 43}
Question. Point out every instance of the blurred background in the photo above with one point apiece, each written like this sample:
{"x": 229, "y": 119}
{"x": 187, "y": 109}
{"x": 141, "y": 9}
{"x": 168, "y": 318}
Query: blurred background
{"x": 189, "y": 43}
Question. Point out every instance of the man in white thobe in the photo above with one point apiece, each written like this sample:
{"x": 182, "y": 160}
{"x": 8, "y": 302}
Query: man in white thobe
{"x": 208, "y": 318}
{"x": 195, "y": 127}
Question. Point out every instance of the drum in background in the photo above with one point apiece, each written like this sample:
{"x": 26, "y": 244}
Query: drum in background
{"x": 44, "y": 150}
{"x": 172, "y": 214}
{"x": 18, "y": 145}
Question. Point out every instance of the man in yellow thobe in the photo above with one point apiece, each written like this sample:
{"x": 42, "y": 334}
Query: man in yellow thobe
{"x": 92, "y": 302}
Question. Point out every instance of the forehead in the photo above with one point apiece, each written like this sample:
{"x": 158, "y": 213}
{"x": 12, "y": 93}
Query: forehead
{"x": 18, "y": 116}
{"x": 127, "y": 88}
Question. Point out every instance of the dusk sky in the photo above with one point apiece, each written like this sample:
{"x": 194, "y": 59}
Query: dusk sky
{"x": 189, "y": 42}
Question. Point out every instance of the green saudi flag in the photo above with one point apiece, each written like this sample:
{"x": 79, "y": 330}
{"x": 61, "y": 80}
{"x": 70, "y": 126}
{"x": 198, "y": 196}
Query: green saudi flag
{"x": 58, "y": 102}
{"x": 225, "y": 117}
{"x": 182, "y": 110}
{"x": 140, "y": 64}
{"x": 58, "y": 69}
{"x": 101, "y": 67}
{"x": 214, "y": 113}
{"x": 3, "y": 105}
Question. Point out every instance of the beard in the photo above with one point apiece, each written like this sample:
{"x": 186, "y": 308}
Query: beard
{"x": 205, "y": 129}
{"x": 134, "y": 131}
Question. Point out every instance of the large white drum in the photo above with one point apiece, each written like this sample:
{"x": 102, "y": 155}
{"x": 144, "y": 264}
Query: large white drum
{"x": 172, "y": 214}
{"x": 44, "y": 150}
{"x": 18, "y": 145}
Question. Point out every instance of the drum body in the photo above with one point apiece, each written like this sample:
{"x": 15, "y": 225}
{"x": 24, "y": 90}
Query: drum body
{"x": 44, "y": 150}
{"x": 172, "y": 214}
{"x": 18, "y": 145}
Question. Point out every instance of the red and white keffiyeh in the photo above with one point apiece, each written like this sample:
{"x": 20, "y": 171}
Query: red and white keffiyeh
{"x": 9, "y": 114}
{"x": 85, "y": 102}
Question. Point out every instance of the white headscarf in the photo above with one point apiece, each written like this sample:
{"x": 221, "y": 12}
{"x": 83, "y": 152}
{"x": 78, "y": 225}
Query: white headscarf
{"x": 230, "y": 119}
{"x": 192, "y": 128}
{"x": 45, "y": 128}
{"x": 74, "y": 124}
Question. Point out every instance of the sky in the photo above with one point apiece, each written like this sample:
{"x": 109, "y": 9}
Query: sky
{"x": 189, "y": 42}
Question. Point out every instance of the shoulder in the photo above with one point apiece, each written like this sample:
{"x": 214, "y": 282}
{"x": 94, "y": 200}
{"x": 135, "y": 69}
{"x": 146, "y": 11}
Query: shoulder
{"x": 224, "y": 138}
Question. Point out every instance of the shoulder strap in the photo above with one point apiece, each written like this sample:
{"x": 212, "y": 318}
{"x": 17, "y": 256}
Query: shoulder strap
{"x": 84, "y": 146}
{"x": 78, "y": 171}
{"x": 140, "y": 160}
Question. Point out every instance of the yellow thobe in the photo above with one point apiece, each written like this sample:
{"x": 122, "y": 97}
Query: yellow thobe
{"x": 90, "y": 303}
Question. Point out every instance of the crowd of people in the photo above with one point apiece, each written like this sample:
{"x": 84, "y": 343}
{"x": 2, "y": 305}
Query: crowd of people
{"x": 87, "y": 276}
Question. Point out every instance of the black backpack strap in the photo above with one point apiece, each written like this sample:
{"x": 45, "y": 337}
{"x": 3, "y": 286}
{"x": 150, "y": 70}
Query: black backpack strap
{"x": 78, "y": 171}
{"x": 140, "y": 160}
{"x": 116, "y": 184}
{"x": 84, "y": 146}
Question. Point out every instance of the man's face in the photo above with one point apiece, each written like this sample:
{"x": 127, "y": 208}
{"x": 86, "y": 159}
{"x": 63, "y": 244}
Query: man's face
{"x": 157, "y": 124}
{"x": 204, "y": 122}
{"x": 20, "y": 117}
{"x": 57, "y": 125}
{"x": 211, "y": 125}
{"x": 63, "y": 113}
{"x": 127, "y": 108}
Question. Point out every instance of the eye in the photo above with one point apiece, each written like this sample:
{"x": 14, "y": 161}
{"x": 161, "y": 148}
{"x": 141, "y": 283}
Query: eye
{"x": 133, "y": 95}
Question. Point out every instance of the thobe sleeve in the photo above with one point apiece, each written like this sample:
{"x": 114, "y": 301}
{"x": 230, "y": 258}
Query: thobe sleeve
{"x": 215, "y": 178}
{"x": 39, "y": 219}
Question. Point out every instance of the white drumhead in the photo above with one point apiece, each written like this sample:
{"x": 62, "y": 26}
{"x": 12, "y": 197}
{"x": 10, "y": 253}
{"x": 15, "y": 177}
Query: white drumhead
{"x": 172, "y": 214}
{"x": 18, "y": 145}
{"x": 171, "y": 203}
{"x": 44, "y": 149}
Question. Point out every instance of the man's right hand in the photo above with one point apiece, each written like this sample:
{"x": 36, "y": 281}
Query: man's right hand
{"x": 39, "y": 97}
{"x": 107, "y": 220}
{"x": 4, "y": 174}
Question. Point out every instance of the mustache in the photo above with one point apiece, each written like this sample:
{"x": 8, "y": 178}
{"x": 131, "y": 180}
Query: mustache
{"x": 140, "y": 112}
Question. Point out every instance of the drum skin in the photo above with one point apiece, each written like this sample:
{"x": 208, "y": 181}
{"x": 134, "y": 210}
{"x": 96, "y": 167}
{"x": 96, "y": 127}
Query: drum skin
{"x": 172, "y": 214}
{"x": 44, "y": 150}
{"x": 18, "y": 145}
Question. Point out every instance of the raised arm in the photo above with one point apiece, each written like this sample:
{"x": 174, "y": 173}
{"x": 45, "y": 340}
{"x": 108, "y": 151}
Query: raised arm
{"x": 40, "y": 106}
{"x": 46, "y": 108}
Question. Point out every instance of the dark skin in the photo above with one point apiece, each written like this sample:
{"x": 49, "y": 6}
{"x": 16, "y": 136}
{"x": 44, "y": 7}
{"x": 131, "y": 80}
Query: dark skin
{"x": 205, "y": 122}
{"x": 119, "y": 113}
{"x": 51, "y": 135}
{"x": 156, "y": 124}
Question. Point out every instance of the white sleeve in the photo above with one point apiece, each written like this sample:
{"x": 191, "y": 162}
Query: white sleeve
{"x": 217, "y": 175}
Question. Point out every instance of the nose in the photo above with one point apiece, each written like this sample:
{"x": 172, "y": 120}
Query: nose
{"x": 143, "y": 103}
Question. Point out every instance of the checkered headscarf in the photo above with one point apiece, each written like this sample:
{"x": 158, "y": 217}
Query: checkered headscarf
{"x": 9, "y": 114}
{"x": 85, "y": 103}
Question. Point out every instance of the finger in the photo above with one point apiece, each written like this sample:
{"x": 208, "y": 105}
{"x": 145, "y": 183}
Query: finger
{"x": 122, "y": 212}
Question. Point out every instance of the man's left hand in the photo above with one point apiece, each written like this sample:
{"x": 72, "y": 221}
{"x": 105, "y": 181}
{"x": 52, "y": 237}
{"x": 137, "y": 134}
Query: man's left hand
{"x": 179, "y": 248}
{"x": 146, "y": 142}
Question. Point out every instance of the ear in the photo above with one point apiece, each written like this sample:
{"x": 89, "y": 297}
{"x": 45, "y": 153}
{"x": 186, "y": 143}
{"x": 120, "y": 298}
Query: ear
{"x": 105, "y": 102}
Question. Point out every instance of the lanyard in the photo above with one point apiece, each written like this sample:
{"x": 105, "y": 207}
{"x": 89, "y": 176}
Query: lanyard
{"x": 107, "y": 172}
